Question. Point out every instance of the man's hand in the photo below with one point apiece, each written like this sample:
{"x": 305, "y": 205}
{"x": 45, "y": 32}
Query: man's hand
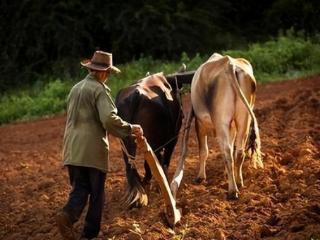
{"x": 137, "y": 130}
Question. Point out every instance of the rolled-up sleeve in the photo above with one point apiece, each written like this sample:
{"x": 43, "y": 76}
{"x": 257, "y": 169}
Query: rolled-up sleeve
{"x": 111, "y": 122}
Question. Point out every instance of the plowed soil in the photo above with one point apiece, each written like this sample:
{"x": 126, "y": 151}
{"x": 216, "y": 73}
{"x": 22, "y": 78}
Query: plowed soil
{"x": 281, "y": 201}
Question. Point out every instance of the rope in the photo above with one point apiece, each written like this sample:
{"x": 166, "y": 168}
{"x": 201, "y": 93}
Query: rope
{"x": 162, "y": 146}
{"x": 131, "y": 158}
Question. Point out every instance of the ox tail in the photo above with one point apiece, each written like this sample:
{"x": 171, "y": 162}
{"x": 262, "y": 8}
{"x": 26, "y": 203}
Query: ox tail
{"x": 135, "y": 194}
{"x": 253, "y": 143}
{"x": 178, "y": 175}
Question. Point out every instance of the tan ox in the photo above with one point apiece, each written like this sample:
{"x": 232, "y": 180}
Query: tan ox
{"x": 222, "y": 97}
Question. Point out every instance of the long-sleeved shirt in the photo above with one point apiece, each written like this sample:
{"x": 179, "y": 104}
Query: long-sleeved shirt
{"x": 91, "y": 115}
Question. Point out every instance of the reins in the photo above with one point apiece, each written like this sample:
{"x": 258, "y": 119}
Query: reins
{"x": 162, "y": 146}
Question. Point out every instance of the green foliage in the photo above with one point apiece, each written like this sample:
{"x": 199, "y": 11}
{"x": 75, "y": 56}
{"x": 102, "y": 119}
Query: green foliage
{"x": 47, "y": 97}
{"x": 288, "y": 56}
{"x": 30, "y": 104}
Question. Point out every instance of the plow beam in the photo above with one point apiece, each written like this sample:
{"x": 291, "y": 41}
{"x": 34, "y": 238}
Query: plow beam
{"x": 173, "y": 215}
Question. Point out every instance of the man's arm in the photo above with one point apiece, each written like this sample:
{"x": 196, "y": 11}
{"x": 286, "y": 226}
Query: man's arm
{"x": 111, "y": 122}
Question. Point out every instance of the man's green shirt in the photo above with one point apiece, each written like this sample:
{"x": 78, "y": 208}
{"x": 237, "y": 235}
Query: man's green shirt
{"x": 91, "y": 115}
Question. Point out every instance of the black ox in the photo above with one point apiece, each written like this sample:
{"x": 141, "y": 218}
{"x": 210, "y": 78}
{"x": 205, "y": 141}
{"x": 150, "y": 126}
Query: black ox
{"x": 154, "y": 103}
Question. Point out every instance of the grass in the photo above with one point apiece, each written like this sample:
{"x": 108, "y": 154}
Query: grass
{"x": 286, "y": 57}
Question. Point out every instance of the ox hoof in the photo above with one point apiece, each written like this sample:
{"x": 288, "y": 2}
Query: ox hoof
{"x": 233, "y": 196}
{"x": 199, "y": 180}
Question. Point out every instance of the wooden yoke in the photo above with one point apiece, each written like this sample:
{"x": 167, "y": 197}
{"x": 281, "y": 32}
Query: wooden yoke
{"x": 173, "y": 215}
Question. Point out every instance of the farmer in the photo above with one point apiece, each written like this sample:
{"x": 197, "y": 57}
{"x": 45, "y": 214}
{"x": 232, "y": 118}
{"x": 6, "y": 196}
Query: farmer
{"x": 91, "y": 115}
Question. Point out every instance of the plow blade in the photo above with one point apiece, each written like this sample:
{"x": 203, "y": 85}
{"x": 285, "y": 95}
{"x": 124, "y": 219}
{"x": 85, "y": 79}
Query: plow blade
{"x": 173, "y": 215}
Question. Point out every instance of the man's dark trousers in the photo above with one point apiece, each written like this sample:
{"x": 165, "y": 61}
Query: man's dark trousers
{"x": 86, "y": 182}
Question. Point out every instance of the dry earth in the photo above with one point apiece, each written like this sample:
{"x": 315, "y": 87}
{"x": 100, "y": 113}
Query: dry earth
{"x": 281, "y": 201}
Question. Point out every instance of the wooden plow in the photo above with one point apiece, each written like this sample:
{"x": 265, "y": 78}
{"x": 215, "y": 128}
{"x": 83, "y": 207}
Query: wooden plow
{"x": 173, "y": 215}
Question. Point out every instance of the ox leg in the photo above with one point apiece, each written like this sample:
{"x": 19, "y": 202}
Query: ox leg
{"x": 167, "y": 156}
{"x": 242, "y": 124}
{"x": 148, "y": 174}
{"x": 226, "y": 146}
{"x": 203, "y": 151}
{"x": 239, "y": 159}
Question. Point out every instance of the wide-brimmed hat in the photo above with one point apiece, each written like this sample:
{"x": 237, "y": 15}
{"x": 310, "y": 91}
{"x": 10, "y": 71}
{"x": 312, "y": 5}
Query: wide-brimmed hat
{"x": 101, "y": 61}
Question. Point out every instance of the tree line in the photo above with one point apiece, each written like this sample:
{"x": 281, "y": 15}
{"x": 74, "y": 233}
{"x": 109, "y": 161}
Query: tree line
{"x": 50, "y": 37}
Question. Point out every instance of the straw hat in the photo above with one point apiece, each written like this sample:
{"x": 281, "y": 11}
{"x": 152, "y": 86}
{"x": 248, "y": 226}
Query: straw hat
{"x": 101, "y": 61}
